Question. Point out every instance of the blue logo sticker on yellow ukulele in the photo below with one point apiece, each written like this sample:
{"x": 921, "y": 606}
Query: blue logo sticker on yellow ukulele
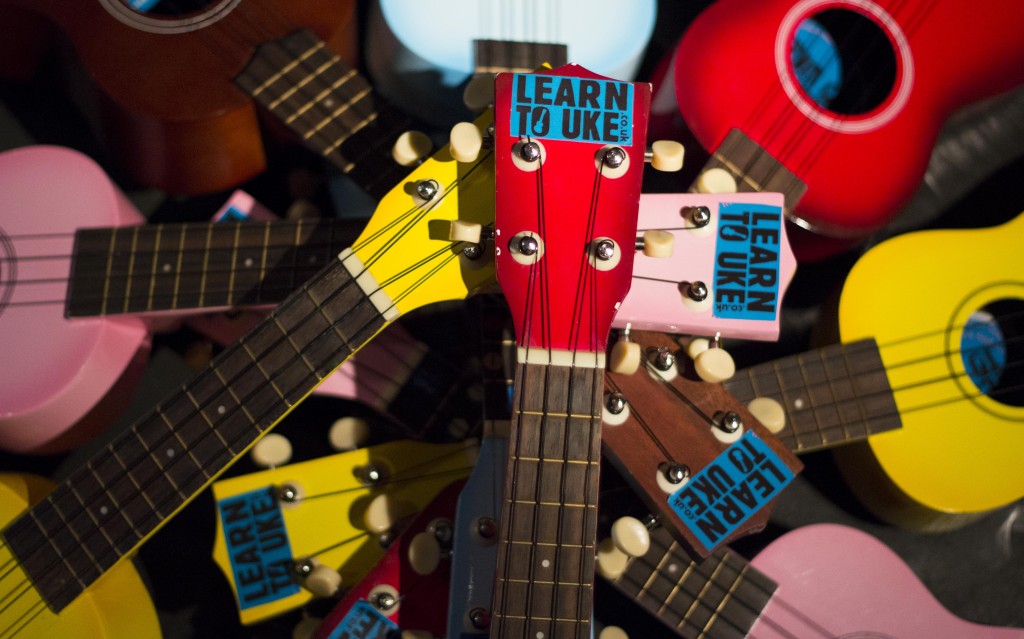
{"x": 575, "y": 109}
{"x": 747, "y": 261}
{"x": 729, "y": 490}
{"x": 364, "y": 622}
{"x": 983, "y": 349}
{"x": 258, "y": 546}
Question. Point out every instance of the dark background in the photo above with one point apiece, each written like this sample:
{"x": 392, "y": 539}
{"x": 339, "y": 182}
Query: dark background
{"x": 977, "y": 571}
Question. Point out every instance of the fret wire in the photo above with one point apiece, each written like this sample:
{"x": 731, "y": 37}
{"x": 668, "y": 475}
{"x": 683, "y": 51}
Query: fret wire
{"x": 138, "y": 489}
{"x": 206, "y": 264}
{"x": 234, "y": 265}
{"x": 110, "y": 265}
{"x": 320, "y": 97}
{"x": 152, "y": 274}
{"x": 295, "y": 86}
{"x": 278, "y": 75}
{"x": 721, "y": 604}
{"x": 131, "y": 267}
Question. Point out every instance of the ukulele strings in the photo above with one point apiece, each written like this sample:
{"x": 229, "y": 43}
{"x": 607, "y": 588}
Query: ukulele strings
{"x": 204, "y": 407}
{"x": 805, "y": 126}
{"x": 698, "y": 593}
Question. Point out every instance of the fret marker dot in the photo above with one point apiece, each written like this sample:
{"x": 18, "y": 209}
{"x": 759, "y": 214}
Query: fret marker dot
{"x": 167, "y": 268}
{"x": 540, "y": 635}
{"x": 221, "y": 410}
{"x": 248, "y": 262}
{"x": 545, "y": 563}
{"x": 798, "y": 403}
{"x": 329, "y": 102}
{"x": 104, "y": 510}
{"x": 673, "y": 568}
{"x": 170, "y": 452}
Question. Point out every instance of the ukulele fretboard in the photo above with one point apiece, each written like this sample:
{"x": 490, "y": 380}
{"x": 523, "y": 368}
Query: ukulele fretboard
{"x": 508, "y": 56}
{"x": 124, "y": 493}
{"x": 161, "y": 267}
{"x": 548, "y": 521}
{"x": 330, "y": 106}
{"x": 720, "y": 597}
{"x": 833, "y": 395}
{"x": 754, "y": 169}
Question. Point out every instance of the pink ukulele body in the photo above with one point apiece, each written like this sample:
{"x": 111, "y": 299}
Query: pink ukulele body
{"x": 836, "y": 581}
{"x": 732, "y": 70}
{"x": 67, "y": 379}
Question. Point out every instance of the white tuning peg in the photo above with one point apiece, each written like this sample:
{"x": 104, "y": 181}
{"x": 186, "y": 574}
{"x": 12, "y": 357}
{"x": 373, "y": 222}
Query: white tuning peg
{"x": 466, "y": 142}
{"x": 323, "y": 581}
{"x": 463, "y": 231}
{"x": 307, "y": 627}
{"x": 625, "y": 355}
{"x": 348, "y": 433}
{"x": 631, "y": 536}
{"x": 666, "y": 155}
{"x": 716, "y": 181}
{"x": 271, "y": 451}
{"x": 424, "y": 553}
{"x": 657, "y": 243}
{"x": 714, "y": 365}
{"x": 613, "y": 632}
{"x": 769, "y": 412}
{"x": 696, "y": 346}
{"x": 383, "y": 512}
{"x": 611, "y": 562}
{"x": 479, "y": 92}
{"x": 411, "y": 147}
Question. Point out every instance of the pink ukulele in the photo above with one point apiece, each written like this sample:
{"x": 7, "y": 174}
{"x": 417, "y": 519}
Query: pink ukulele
{"x": 83, "y": 284}
{"x": 821, "y": 581}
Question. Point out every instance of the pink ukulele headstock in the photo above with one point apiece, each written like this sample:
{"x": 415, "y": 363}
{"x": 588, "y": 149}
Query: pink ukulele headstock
{"x": 729, "y": 272}
{"x": 569, "y": 151}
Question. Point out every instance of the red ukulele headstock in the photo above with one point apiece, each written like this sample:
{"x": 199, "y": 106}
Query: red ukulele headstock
{"x": 569, "y": 151}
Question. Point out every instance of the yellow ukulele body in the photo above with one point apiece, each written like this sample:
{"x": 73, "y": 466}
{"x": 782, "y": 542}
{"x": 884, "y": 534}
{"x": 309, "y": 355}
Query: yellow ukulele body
{"x": 117, "y": 606}
{"x": 942, "y": 305}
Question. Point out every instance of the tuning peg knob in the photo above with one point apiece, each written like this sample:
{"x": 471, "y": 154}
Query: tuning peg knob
{"x": 348, "y": 433}
{"x": 383, "y": 512}
{"x": 714, "y": 365}
{"x": 411, "y": 147}
{"x": 716, "y": 181}
{"x": 463, "y": 231}
{"x": 479, "y": 92}
{"x": 769, "y": 412}
{"x": 271, "y": 451}
{"x": 613, "y": 632}
{"x": 424, "y": 553}
{"x": 466, "y": 142}
{"x": 631, "y": 536}
{"x": 611, "y": 562}
{"x": 323, "y": 581}
{"x": 666, "y": 155}
{"x": 306, "y": 628}
{"x": 655, "y": 243}
{"x": 625, "y": 356}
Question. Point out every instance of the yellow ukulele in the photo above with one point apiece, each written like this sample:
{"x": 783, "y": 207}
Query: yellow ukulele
{"x": 60, "y": 547}
{"x": 118, "y": 607}
{"x": 945, "y": 308}
{"x": 289, "y": 534}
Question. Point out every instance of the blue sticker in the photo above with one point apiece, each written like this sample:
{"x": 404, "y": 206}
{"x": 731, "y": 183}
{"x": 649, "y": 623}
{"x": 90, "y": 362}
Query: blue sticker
{"x": 142, "y": 5}
{"x": 817, "y": 63}
{"x": 234, "y": 214}
{"x": 363, "y": 621}
{"x": 983, "y": 350}
{"x": 747, "y": 261}
{"x": 258, "y": 546}
{"x": 575, "y": 109}
{"x": 729, "y": 490}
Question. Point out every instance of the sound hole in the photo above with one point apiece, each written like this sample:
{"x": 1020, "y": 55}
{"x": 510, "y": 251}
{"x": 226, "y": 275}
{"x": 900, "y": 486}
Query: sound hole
{"x": 992, "y": 352}
{"x": 843, "y": 61}
{"x": 168, "y": 8}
